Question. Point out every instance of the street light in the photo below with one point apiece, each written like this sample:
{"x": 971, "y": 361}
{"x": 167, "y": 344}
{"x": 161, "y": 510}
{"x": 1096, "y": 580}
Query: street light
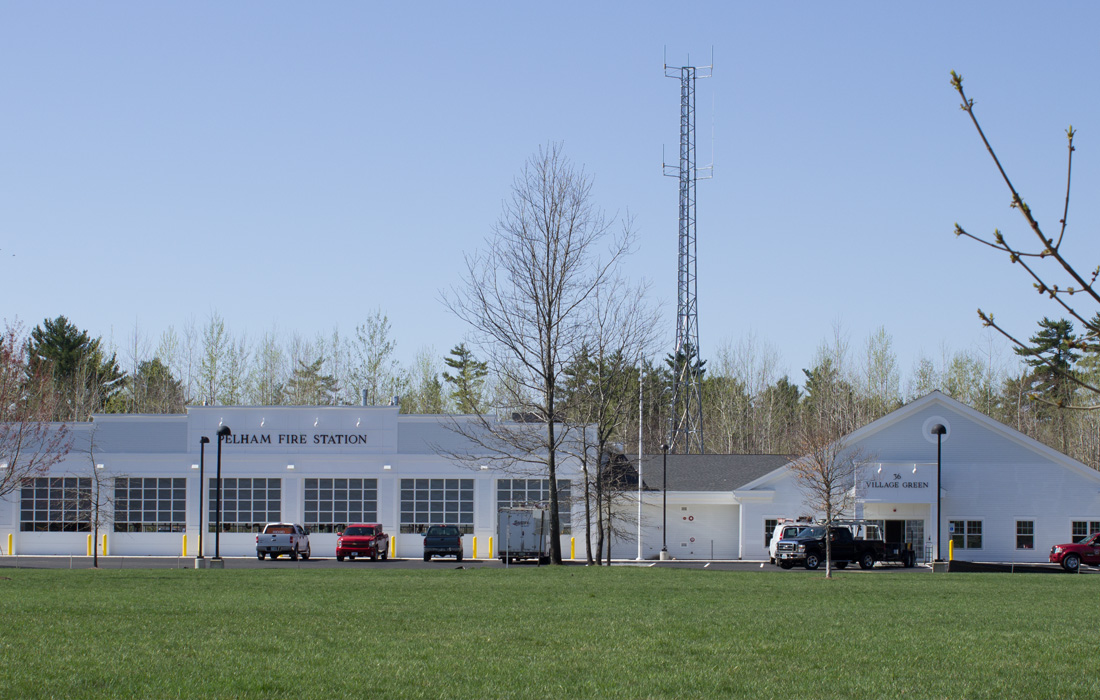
{"x": 664, "y": 501}
{"x": 223, "y": 432}
{"x": 203, "y": 442}
{"x": 939, "y": 431}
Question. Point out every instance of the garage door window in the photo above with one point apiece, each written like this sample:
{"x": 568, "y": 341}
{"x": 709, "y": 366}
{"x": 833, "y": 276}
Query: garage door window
{"x": 427, "y": 502}
{"x": 247, "y": 504}
{"x": 60, "y": 504}
{"x": 332, "y": 504}
{"x": 150, "y": 505}
{"x": 527, "y": 492}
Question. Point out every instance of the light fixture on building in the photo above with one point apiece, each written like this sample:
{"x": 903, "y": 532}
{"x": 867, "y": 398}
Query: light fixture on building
{"x": 3, "y": 465}
{"x": 357, "y": 422}
{"x": 290, "y": 466}
{"x": 316, "y": 421}
{"x": 99, "y": 466}
{"x": 914, "y": 469}
{"x": 484, "y": 467}
{"x": 387, "y": 467}
{"x": 194, "y": 466}
{"x": 879, "y": 471}
{"x": 262, "y": 421}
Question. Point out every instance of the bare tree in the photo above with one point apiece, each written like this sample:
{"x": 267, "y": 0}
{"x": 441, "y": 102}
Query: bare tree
{"x": 377, "y": 372}
{"x": 1051, "y": 272}
{"x": 29, "y": 443}
{"x": 826, "y": 472}
{"x": 525, "y": 297}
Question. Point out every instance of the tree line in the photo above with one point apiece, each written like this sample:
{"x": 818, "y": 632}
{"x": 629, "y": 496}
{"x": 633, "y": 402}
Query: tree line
{"x": 751, "y": 406}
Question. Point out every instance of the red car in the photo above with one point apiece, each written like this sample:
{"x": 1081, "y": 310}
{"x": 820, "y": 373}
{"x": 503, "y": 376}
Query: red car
{"x": 363, "y": 540}
{"x": 1072, "y": 556}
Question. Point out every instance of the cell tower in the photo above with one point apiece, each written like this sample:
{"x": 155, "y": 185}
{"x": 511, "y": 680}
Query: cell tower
{"x": 686, "y": 415}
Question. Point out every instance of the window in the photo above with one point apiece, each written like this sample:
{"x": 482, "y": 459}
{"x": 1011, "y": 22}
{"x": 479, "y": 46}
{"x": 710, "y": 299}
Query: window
{"x": 150, "y": 505}
{"x": 528, "y": 492}
{"x": 1025, "y": 534}
{"x": 56, "y": 504}
{"x": 247, "y": 504}
{"x": 1081, "y": 529}
{"x": 427, "y": 502}
{"x": 966, "y": 534}
{"x": 332, "y": 504}
{"x": 769, "y": 530}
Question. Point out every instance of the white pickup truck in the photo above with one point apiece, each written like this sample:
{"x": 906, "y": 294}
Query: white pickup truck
{"x": 283, "y": 538}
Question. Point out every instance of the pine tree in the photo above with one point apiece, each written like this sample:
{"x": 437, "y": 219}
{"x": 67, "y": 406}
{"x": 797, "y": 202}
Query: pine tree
{"x": 468, "y": 380}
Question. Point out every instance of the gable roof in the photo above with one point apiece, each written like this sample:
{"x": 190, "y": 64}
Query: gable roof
{"x": 707, "y": 472}
{"x": 938, "y": 398}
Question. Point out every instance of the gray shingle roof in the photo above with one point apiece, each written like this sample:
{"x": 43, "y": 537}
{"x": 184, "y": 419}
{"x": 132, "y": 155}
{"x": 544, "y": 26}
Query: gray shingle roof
{"x": 708, "y": 472}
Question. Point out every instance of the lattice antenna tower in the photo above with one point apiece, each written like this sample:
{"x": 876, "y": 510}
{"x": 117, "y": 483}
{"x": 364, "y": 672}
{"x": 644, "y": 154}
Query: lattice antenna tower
{"x": 686, "y": 411}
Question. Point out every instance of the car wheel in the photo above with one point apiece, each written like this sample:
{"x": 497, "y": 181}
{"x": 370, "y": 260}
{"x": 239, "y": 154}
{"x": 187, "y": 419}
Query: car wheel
{"x": 786, "y": 565}
{"x": 294, "y": 555}
{"x": 260, "y": 556}
{"x": 910, "y": 560}
{"x": 458, "y": 557}
{"x": 339, "y": 557}
{"x": 274, "y": 555}
{"x": 427, "y": 557}
{"x": 305, "y": 555}
{"x": 812, "y": 561}
{"x": 1071, "y": 563}
{"x": 771, "y": 560}
{"x": 841, "y": 564}
{"x": 867, "y": 560}
{"x": 374, "y": 555}
{"x": 385, "y": 555}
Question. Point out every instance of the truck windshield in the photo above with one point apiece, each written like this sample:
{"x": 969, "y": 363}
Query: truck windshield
{"x": 813, "y": 532}
{"x": 358, "y": 531}
{"x": 439, "y": 531}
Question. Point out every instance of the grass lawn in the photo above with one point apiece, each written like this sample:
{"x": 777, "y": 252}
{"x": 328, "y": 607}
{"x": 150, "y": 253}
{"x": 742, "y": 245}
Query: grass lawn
{"x": 552, "y": 632}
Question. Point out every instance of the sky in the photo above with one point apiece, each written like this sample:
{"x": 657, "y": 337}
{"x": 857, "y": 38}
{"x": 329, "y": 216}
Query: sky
{"x": 296, "y": 167}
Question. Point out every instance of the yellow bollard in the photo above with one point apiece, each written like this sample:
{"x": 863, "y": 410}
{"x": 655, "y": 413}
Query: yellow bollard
{"x": 950, "y": 550}
{"x": 89, "y": 545}
{"x": 11, "y": 541}
{"x": 572, "y": 547}
{"x": 393, "y": 547}
{"x": 184, "y": 546}
{"x": 103, "y": 549}
{"x": 475, "y": 548}
{"x": 490, "y": 546}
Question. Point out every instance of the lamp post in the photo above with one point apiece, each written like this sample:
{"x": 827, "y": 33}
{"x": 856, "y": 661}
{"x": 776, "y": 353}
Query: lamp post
{"x": 664, "y": 501}
{"x": 223, "y": 432}
{"x": 939, "y": 431}
{"x": 203, "y": 442}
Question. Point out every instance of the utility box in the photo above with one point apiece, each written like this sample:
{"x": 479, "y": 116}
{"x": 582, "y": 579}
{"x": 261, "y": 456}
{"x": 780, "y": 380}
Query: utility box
{"x": 523, "y": 533}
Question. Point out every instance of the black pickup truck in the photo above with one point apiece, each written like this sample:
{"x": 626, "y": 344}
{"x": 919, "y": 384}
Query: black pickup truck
{"x": 443, "y": 541}
{"x": 808, "y": 549}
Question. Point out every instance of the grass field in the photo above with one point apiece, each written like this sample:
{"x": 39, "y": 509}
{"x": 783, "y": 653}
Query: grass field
{"x": 566, "y": 632}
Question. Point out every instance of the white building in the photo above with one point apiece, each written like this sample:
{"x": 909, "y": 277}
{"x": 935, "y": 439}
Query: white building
{"x": 1003, "y": 497}
{"x": 323, "y": 467}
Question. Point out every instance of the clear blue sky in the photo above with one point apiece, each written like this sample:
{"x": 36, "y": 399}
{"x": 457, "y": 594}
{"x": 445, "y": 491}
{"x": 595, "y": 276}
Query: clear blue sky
{"x": 299, "y": 165}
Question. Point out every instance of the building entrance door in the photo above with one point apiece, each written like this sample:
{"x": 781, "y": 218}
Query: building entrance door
{"x": 894, "y": 531}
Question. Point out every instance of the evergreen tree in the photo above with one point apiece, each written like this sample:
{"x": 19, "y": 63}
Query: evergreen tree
{"x": 1052, "y": 356}
{"x": 84, "y": 378}
{"x": 308, "y": 387}
{"x": 468, "y": 380}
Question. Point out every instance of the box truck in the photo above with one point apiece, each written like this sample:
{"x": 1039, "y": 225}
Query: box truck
{"x": 523, "y": 533}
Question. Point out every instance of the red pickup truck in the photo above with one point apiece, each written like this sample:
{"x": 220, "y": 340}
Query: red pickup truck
{"x": 1072, "y": 556}
{"x": 363, "y": 540}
